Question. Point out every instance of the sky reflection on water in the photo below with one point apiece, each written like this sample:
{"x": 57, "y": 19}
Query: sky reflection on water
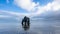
{"x": 43, "y": 27}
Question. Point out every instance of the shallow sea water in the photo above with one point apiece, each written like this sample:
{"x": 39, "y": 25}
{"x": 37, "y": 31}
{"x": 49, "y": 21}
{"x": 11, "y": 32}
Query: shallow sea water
{"x": 36, "y": 27}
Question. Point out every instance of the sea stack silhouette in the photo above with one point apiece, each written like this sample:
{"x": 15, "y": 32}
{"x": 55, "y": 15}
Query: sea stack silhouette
{"x": 26, "y": 23}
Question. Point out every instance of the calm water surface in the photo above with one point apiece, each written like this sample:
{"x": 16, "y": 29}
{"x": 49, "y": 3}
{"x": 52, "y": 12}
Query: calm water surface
{"x": 36, "y": 27}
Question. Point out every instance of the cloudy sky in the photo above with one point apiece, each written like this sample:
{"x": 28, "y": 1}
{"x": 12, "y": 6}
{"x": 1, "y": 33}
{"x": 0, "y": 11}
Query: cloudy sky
{"x": 13, "y": 10}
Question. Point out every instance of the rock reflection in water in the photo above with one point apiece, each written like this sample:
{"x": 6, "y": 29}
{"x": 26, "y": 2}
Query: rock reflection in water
{"x": 26, "y": 27}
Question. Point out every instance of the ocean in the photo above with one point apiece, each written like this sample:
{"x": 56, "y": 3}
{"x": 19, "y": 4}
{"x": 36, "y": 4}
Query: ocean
{"x": 36, "y": 27}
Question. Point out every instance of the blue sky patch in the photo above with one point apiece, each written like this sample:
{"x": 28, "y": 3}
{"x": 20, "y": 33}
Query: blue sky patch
{"x": 42, "y": 2}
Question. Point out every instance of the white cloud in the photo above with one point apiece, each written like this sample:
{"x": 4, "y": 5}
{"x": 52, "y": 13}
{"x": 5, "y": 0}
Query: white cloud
{"x": 26, "y": 4}
{"x": 35, "y": 8}
{"x": 56, "y": 5}
{"x": 14, "y": 15}
{"x": 4, "y": 16}
{"x": 11, "y": 13}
